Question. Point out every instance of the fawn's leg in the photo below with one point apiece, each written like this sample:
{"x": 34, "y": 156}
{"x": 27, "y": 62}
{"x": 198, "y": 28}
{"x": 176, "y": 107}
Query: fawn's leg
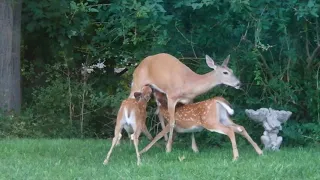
{"x": 241, "y": 130}
{"x": 158, "y": 136}
{"x": 118, "y": 142}
{"x": 146, "y": 132}
{"x": 117, "y": 136}
{"x": 136, "y": 143}
{"x": 149, "y": 136}
{"x": 194, "y": 144}
{"x": 222, "y": 129}
{"x": 161, "y": 119}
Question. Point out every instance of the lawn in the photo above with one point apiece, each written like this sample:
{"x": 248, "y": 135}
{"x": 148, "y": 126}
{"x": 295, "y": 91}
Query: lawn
{"x": 82, "y": 160}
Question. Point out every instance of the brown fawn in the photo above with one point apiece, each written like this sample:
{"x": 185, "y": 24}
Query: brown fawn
{"x": 132, "y": 117}
{"x": 212, "y": 114}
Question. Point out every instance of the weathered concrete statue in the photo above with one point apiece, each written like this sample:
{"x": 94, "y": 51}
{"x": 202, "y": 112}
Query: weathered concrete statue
{"x": 271, "y": 120}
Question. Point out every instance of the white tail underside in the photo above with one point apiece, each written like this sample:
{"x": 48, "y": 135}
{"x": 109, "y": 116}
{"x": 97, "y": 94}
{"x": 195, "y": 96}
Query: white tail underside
{"x": 226, "y": 107}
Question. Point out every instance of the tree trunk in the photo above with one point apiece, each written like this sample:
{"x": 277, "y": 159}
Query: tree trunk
{"x": 10, "y": 29}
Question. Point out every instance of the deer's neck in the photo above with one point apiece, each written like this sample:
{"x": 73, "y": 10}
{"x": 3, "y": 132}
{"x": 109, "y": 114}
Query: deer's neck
{"x": 202, "y": 83}
{"x": 142, "y": 105}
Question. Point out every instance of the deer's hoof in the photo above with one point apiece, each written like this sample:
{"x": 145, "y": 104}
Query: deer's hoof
{"x": 168, "y": 149}
{"x": 138, "y": 163}
{"x": 235, "y": 159}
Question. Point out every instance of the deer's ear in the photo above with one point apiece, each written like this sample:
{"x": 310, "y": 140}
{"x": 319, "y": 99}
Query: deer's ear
{"x": 137, "y": 95}
{"x": 210, "y": 62}
{"x": 226, "y": 61}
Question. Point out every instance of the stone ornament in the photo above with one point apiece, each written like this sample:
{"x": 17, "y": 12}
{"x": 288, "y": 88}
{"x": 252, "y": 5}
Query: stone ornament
{"x": 271, "y": 120}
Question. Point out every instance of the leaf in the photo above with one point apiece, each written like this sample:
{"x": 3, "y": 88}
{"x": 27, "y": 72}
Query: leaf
{"x": 93, "y": 10}
{"x": 73, "y": 6}
{"x": 181, "y": 158}
{"x": 160, "y": 8}
{"x": 31, "y": 26}
{"x": 313, "y": 12}
{"x": 310, "y": 4}
{"x": 196, "y": 5}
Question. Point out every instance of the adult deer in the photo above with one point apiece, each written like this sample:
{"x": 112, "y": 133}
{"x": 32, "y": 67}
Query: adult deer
{"x": 132, "y": 116}
{"x": 180, "y": 84}
{"x": 212, "y": 114}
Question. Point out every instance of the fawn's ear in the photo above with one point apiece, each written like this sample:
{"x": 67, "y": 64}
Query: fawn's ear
{"x": 148, "y": 97}
{"x": 137, "y": 95}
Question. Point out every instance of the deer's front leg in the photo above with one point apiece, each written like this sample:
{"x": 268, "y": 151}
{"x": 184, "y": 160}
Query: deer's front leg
{"x": 171, "y": 109}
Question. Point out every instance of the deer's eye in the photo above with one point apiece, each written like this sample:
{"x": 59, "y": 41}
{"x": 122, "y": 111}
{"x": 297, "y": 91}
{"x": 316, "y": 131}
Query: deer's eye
{"x": 225, "y": 72}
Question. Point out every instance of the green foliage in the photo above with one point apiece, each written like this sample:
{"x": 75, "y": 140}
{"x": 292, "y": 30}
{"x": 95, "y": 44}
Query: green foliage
{"x": 274, "y": 47}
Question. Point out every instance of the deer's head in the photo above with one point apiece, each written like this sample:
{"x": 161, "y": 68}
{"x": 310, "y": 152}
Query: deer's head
{"x": 144, "y": 95}
{"x": 161, "y": 98}
{"x": 222, "y": 73}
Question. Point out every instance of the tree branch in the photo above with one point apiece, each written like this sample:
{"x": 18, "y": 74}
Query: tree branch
{"x": 266, "y": 65}
{"x": 316, "y": 50}
{"x": 317, "y": 31}
{"x": 191, "y": 43}
{"x": 314, "y": 54}
{"x": 307, "y": 42}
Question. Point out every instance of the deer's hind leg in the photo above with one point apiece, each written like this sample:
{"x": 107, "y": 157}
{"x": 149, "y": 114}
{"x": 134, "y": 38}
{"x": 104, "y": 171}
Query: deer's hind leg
{"x": 135, "y": 137}
{"x": 115, "y": 140}
{"x": 241, "y": 130}
{"x": 222, "y": 129}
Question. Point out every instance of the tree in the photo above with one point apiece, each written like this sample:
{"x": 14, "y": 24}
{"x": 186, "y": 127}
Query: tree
{"x": 10, "y": 29}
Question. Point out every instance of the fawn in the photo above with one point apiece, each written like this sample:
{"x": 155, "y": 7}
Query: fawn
{"x": 132, "y": 117}
{"x": 212, "y": 114}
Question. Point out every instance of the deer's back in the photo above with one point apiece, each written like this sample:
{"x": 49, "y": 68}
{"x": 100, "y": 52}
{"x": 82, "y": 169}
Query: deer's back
{"x": 132, "y": 105}
{"x": 163, "y": 71}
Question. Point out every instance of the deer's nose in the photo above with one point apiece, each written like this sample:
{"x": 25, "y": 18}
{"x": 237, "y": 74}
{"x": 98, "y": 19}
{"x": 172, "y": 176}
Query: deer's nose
{"x": 238, "y": 85}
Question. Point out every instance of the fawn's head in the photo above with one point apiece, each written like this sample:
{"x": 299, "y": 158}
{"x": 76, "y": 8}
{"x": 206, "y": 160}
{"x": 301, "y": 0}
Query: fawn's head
{"x": 144, "y": 95}
{"x": 160, "y": 98}
{"x": 222, "y": 73}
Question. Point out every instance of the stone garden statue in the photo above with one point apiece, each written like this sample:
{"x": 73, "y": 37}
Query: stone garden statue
{"x": 271, "y": 120}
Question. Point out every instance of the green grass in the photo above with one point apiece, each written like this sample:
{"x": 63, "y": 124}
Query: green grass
{"x": 82, "y": 160}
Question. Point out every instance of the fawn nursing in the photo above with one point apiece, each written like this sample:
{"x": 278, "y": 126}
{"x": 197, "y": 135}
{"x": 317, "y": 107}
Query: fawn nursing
{"x": 212, "y": 114}
{"x": 132, "y": 117}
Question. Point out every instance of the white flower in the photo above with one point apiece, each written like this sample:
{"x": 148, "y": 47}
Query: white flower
{"x": 89, "y": 70}
{"x": 100, "y": 65}
{"x": 118, "y": 70}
